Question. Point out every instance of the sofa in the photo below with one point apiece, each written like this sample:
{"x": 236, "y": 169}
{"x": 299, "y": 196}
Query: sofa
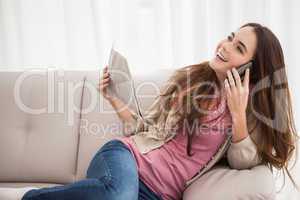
{"x": 53, "y": 121}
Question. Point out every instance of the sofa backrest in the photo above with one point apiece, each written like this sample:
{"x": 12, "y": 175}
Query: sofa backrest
{"x": 43, "y": 136}
{"x": 39, "y": 125}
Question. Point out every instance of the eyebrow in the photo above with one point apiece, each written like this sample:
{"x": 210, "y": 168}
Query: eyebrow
{"x": 241, "y": 43}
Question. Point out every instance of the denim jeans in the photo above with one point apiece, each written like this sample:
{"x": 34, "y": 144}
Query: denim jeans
{"x": 111, "y": 175}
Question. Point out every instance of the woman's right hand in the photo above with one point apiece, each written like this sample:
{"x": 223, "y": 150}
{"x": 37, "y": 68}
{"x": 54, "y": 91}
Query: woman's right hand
{"x": 117, "y": 104}
{"x": 104, "y": 83}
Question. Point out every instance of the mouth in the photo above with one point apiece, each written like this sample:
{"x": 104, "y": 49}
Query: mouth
{"x": 221, "y": 57}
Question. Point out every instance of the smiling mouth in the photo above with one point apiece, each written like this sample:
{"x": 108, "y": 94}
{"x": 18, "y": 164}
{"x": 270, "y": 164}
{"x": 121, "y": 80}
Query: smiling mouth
{"x": 221, "y": 57}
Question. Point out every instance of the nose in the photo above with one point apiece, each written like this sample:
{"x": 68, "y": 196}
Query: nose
{"x": 227, "y": 46}
{"x": 223, "y": 49}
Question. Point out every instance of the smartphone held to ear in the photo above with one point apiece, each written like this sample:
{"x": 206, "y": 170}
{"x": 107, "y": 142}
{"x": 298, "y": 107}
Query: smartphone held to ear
{"x": 242, "y": 69}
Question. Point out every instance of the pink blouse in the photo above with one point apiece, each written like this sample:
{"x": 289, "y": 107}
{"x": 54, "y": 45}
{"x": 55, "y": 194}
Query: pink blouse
{"x": 166, "y": 169}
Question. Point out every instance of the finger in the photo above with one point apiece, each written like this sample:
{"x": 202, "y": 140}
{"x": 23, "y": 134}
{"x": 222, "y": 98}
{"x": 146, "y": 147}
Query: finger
{"x": 104, "y": 71}
{"x": 230, "y": 78}
{"x": 227, "y": 87}
{"x": 105, "y": 68}
{"x": 105, "y": 85}
{"x": 247, "y": 78}
{"x": 106, "y": 80}
{"x": 102, "y": 87}
{"x": 237, "y": 78}
{"x": 106, "y": 74}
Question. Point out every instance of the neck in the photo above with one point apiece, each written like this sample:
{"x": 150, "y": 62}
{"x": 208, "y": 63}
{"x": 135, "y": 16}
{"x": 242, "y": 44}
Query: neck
{"x": 220, "y": 75}
{"x": 221, "y": 78}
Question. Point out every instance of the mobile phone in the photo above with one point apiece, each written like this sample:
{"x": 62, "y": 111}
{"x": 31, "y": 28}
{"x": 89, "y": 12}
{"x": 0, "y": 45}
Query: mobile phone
{"x": 242, "y": 69}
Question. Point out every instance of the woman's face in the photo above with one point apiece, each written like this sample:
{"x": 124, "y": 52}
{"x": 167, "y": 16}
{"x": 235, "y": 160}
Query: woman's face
{"x": 237, "y": 49}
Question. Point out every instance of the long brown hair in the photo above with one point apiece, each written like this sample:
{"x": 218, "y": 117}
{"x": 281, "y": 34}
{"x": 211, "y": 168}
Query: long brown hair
{"x": 277, "y": 138}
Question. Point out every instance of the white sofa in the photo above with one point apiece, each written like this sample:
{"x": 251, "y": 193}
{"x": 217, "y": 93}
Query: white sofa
{"x": 50, "y": 130}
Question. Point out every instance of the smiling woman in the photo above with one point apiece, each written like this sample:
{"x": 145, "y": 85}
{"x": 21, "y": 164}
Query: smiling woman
{"x": 268, "y": 113}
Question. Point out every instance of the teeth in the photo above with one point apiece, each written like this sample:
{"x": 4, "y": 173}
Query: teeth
{"x": 221, "y": 56}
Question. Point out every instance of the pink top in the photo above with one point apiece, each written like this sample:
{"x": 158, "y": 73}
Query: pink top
{"x": 166, "y": 169}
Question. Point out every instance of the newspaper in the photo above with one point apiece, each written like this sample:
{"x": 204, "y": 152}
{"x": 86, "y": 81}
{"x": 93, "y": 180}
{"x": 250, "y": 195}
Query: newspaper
{"x": 122, "y": 84}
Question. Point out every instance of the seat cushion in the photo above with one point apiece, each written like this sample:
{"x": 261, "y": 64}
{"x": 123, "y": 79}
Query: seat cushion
{"x": 27, "y": 184}
{"x": 224, "y": 183}
{"x": 8, "y": 190}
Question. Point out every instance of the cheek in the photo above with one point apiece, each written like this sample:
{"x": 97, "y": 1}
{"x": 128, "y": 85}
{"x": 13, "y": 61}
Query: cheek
{"x": 219, "y": 45}
{"x": 223, "y": 67}
{"x": 236, "y": 60}
{"x": 227, "y": 67}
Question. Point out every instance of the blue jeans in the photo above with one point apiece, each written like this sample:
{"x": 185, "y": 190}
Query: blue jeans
{"x": 111, "y": 175}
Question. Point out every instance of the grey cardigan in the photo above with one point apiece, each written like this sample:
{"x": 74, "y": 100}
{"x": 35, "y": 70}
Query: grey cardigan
{"x": 155, "y": 129}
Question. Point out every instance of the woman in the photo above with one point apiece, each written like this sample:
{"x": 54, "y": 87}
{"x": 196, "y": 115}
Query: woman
{"x": 166, "y": 151}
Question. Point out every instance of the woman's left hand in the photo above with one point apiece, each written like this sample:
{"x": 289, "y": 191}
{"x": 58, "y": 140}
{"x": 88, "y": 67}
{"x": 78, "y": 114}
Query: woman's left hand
{"x": 237, "y": 93}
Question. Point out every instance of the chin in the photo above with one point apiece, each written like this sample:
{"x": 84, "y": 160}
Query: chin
{"x": 216, "y": 65}
{"x": 219, "y": 63}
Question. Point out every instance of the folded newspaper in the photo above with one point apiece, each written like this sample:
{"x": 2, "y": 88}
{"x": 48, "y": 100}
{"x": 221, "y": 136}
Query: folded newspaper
{"x": 122, "y": 84}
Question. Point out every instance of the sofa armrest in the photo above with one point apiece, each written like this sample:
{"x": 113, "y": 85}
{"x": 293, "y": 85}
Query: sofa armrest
{"x": 224, "y": 183}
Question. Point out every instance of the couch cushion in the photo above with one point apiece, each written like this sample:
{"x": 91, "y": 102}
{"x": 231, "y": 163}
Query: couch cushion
{"x": 224, "y": 183}
{"x": 19, "y": 185}
{"x": 39, "y": 129}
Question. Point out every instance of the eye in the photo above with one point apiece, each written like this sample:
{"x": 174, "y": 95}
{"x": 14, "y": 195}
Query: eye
{"x": 240, "y": 49}
{"x": 229, "y": 37}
